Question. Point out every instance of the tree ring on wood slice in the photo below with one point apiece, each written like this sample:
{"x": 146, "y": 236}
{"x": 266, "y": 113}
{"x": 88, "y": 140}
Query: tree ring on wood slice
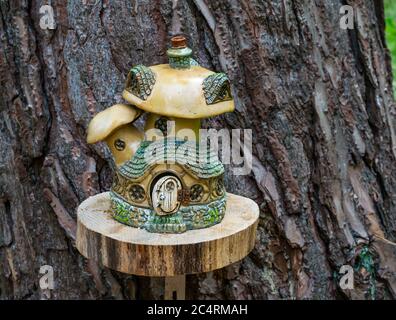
{"x": 137, "y": 251}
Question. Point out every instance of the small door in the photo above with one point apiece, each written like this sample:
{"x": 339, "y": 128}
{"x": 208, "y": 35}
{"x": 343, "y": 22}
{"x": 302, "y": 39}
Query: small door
{"x": 164, "y": 195}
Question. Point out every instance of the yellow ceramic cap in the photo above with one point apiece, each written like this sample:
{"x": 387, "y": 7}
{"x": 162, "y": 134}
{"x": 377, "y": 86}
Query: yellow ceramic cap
{"x": 179, "y": 89}
{"x": 105, "y": 122}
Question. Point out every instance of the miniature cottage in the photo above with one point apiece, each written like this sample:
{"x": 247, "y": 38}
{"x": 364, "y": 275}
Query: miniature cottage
{"x": 164, "y": 181}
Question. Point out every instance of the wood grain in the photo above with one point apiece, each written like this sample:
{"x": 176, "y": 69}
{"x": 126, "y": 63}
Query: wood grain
{"x": 136, "y": 251}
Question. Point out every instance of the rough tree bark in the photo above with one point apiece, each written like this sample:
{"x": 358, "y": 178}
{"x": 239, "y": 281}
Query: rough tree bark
{"x": 318, "y": 99}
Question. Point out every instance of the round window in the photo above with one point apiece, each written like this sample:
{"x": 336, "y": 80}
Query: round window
{"x": 137, "y": 193}
{"x": 119, "y": 144}
{"x": 196, "y": 192}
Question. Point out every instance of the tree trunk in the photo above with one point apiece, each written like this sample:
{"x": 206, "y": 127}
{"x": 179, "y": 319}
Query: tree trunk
{"x": 317, "y": 97}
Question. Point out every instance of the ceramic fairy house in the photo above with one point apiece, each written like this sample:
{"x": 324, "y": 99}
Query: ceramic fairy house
{"x": 163, "y": 181}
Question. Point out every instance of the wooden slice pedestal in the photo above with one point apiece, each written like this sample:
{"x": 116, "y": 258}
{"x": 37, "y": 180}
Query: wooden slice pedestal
{"x": 136, "y": 251}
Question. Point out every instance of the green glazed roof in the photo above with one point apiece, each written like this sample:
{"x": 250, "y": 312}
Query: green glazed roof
{"x": 204, "y": 164}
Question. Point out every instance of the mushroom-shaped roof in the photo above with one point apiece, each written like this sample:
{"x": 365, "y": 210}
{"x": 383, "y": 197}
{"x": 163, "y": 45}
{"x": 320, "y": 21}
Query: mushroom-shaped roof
{"x": 180, "y": 89}
{"x": 105, "y": 122}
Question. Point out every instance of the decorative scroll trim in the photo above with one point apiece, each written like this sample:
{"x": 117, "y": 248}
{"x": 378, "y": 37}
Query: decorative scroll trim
{"x": 140, "y": 81}
{"x": 216, "y": 88}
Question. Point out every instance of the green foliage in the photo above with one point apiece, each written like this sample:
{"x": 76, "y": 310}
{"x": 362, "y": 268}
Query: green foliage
{"x": 172, "y": 219}
{"x": 121, "y": 213}
{"x": 365, "y": 261}
{"x": 213, "y": 216}
{"x": 390, "y": 33}
{"x": 171, "y": 224}
{"x": 189, "y": 217}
